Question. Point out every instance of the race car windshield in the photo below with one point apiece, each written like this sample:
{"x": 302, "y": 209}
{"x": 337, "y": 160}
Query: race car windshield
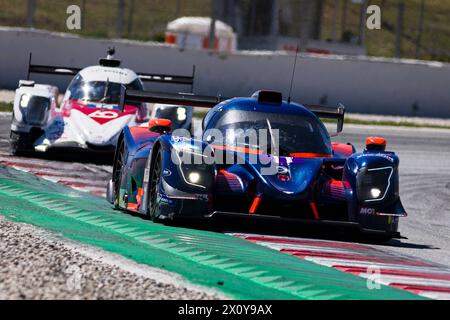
{"x": 99, "y": 91}
{"x": 297, "y": 133}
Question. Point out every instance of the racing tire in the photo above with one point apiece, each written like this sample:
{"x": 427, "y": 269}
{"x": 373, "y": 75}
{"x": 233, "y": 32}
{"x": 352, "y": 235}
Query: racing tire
{"x": 117, "y": 172}
{"x": 19, "y": 143}
{"x": 154, "y": 185}
{"x": 14, "y": 148}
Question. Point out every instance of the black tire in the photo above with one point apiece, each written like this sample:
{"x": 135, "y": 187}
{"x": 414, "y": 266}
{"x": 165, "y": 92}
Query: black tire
{"x": 117, "y": 172}
{"x": 14, "y": 148}
{"x": 18, "y": 144}
{"x": 154, "y": 184}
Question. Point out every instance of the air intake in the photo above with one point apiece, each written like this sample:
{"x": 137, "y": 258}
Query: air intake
{"x": 268, "y": 97}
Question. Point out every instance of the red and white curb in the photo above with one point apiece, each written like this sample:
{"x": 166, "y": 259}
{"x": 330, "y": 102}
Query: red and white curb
{"x": 419, "y": 277}
{"x": 82, "y": 177}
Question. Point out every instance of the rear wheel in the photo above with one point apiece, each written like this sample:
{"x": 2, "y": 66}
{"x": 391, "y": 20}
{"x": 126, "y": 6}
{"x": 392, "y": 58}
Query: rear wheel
{"x": 155, "y": 182}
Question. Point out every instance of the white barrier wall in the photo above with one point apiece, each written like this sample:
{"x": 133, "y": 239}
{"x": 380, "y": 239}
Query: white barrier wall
{"x": 380, "y": 86}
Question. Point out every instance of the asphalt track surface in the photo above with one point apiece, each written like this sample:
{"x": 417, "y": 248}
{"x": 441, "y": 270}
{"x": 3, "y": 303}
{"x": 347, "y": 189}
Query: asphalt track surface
{"x": 425, "y": 192}
{"x": 424, "y": 187}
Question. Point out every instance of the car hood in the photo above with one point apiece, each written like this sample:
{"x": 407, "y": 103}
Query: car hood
{"x": 291, "y": 175}
{"x": 98, "y": 126}
{"x": 294, "y": 175}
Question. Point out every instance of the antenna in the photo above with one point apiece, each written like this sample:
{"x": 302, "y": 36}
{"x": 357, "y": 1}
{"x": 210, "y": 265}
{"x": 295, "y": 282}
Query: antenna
{"x": 293, "y": 74}
{"x": 194, "y": 68}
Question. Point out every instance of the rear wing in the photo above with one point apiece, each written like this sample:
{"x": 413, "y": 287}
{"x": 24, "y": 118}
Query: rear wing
{"x": 170, "y": 79}
{"x": 179, "y": 99}
{"x": 193, "y": 100}
{"x": 145, "y": 77}
{"x": 63, "y": 71}
{"x": 330, "y": 113}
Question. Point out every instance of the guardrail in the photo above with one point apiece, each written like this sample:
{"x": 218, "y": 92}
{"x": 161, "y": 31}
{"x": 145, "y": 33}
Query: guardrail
{"x": 364, "y": 85}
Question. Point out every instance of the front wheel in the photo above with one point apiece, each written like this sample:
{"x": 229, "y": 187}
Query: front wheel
{"x": 117, "y": 172}
{"x": 19, "y": 143}
{"x": 155, "y": 183}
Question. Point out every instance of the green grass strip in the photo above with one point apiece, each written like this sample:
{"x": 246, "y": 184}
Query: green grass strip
{"x": 6, "y": 107}
{"x": 235, "y": 266}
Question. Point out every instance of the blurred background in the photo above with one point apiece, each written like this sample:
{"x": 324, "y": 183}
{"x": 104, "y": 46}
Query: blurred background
{"x": 417, "y": 29}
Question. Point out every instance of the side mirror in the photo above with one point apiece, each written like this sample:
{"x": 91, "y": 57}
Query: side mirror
{"x": 376, "y": 144}
{"x": 161, "y": 126}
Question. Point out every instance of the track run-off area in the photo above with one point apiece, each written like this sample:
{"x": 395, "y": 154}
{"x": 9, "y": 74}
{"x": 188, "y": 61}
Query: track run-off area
{"x": 68, "y": 199}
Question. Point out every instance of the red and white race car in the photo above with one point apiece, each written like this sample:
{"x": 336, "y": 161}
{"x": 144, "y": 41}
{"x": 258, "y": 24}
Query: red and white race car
{"x": 89, "y": 116}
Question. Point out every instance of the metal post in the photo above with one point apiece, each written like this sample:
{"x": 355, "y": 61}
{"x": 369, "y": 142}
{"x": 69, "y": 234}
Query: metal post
{"x": 31, "y": 8}
{"x": 316, "y": 18}
{"x": 420, "y": 31}
{"x": 304, "y": 24}
{"x": 334, "y": 20}
{"x": 130, "y": 17}
{"x": 362, "y": 23}
{"x": 344, "y": 17}
{"x": 274, "y": 30}
{"x": 252, "y": 23}
{"x": 212, "y": 27}
{"x": 178, "y": 9}
{"x": 83, "y": 12}
{"x": 120, "y": 18}
{"x": 399, "y": 31}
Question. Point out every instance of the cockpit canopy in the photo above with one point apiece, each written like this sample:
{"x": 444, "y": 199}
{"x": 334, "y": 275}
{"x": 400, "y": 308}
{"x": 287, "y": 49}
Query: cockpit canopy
{"x": 99, "y": 91}
{"x": 296, "y": 132}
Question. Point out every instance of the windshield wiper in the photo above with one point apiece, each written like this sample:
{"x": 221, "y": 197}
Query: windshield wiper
{"x": 105, "y": 93}
{"x": 274, "y": 150}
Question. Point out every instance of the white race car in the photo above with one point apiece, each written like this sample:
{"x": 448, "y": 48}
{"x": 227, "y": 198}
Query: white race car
{"x": 89, "y": 116}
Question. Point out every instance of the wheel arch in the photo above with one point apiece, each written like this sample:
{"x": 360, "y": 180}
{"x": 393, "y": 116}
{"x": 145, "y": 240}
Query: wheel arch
{"x": 159, "y": 145}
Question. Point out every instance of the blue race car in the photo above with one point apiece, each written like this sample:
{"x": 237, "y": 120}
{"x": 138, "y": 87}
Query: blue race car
{"x": 291, "y": 171}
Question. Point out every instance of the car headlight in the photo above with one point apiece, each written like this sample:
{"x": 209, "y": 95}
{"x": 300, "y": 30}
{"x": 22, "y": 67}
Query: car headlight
{"x": 197, "y": 175}
{"x": 194, "y": 177}
{"x": 192, "y": 161}
{"x": 375, "y": 193}
{"x": 24, "y": 101}
{"x": 373, "y": 184}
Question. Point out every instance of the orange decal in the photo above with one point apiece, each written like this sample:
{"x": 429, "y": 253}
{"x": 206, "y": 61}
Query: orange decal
{"x": 238, "y": 149}
{"x": 255, "y": 204}
{"x": 139, "y": 195}
{"x": 314, "y": 210}
{"x": 310, "y": 155}
{"x": 132, "y": 206}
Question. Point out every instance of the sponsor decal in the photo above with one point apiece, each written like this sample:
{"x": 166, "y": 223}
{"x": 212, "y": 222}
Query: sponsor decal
{"x": 284, "y": 177}
{"x": 282, "y": 170}
{"x": 147, "y": 171}
{"x": 201, "y": 197}
{"x": 367, "y": 211}
{"x": 166, "y": 200}
{"x": 104, "y": 114}
{"x": 283, "y": 174}
{"x": 382, "y": 155}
